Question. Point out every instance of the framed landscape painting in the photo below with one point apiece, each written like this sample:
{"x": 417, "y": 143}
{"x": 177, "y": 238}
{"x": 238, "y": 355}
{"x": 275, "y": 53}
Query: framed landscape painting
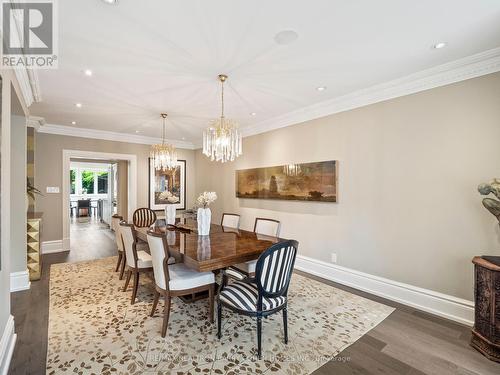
{"x": 172, "y": 180}
{"x": 315, "y": 182}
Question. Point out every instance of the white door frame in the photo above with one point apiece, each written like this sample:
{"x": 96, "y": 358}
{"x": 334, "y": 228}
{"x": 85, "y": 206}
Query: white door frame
{"x": 132, "y": 183}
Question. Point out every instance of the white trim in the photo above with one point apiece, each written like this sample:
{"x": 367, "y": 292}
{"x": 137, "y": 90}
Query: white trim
{"x": 67, "y": 155}
{"x": 49, "y": 247}
{"x": 7, "y": 344}
{"x": 109, "y": 136}
{"x": 19, "y": 281}
{"x": 446, "y": 306}
{"x": 35, "y": 122}
{"x": 459, "y": 70}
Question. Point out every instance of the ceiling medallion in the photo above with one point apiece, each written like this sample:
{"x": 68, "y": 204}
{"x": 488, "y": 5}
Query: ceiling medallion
{"x": 222, "y": 140}
{"x": 165, "y": 155}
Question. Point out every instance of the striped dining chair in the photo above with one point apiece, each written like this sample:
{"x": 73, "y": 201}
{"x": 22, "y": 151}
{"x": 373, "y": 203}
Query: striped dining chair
{"x": 266, "y": 294}
{"x": 144, "y": 217}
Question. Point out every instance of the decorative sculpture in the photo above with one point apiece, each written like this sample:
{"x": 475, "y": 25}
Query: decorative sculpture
{"x": 492, "y": 205}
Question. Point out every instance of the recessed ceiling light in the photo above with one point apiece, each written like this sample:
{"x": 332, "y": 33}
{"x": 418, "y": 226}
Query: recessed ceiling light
{"x": 88, "y": 72}
{"x": 73, "y": 122}
{"x": 78, "y": 105}
{"x": 253, "y": 114}
{"x": 286, "y": 37}
{"x": 111, "y": 2}
{"x": 321, "y": 88}
{"x": 439, "y": 45}
{"x": 137, "y": 131}
{"x": 183, "y": 138}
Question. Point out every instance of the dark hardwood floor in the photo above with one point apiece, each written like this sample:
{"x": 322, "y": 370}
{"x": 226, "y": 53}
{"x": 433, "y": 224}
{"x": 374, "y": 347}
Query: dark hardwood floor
{"x": 407, "y": 342}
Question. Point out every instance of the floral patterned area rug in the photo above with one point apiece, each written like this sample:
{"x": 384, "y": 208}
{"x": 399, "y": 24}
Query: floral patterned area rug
{"x": 93, "y": 328}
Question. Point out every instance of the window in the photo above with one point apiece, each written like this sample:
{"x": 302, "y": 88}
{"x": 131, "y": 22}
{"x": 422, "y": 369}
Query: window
{"x": 88, "y": 182}
{"x": 72, "y": 178}
{"x": 102, "y": 182}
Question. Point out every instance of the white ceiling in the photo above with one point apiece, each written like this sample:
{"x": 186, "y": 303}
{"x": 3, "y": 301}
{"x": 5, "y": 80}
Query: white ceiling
{"x": 158, "y": 56}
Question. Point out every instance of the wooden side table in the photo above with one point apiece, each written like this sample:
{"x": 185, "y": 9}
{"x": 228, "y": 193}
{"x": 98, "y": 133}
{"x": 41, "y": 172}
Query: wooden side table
{"x": 34, "y": 226}
{"x": 486, "y": 331}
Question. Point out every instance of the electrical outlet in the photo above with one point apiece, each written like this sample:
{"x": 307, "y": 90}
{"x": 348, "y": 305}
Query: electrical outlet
{"x": 334, "y": 257}
{"x": 53, "y": 189}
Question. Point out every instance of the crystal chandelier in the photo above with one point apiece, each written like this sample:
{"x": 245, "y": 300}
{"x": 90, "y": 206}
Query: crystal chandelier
{"x": 292, "y": 170}
{"x": 164, "y": 156}
{"x": 222, "y": 140}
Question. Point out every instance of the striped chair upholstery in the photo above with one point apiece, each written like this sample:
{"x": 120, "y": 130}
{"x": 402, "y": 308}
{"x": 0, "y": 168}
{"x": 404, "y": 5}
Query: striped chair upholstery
{"x": 267, "y": 293}
{"x": 144, "y": 217}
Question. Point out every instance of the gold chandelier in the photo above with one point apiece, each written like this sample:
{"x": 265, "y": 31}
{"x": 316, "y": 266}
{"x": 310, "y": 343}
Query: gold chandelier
{"x": 222, "y": 140}
{"x": 165, "y": 155}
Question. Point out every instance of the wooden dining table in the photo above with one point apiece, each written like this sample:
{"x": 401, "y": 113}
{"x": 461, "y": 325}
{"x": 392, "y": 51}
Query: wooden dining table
{"x": 222, "y": 248}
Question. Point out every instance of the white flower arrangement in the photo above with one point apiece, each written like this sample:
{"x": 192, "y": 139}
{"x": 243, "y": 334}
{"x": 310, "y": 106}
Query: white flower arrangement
{"x": 206, "y": 198}
{"x": 169, "y": 197}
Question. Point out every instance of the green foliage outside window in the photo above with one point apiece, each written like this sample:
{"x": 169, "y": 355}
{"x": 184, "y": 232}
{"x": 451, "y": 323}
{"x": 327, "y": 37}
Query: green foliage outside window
{"x": 72, "y": 178}
{"x": 88, "y": 182}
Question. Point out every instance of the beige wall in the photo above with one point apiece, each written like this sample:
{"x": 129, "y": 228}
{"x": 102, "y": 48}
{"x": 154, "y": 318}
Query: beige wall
{"x": 408, "y": 206}
{"x": 48, "y": 172}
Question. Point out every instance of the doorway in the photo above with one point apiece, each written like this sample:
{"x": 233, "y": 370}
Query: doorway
{"x": 91, "y": 193}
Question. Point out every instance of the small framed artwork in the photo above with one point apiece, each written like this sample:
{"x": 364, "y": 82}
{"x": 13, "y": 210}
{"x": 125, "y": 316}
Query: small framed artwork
{"x": 172, "y": 180}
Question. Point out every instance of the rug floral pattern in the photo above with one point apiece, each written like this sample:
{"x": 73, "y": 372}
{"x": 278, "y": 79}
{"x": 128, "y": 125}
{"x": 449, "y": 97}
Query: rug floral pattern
{"x": 93, "y": 328}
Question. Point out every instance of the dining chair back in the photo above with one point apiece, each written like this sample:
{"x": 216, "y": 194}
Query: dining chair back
{"x": 274, "y": 269}
{"x": 129, "y": 243}
{"x": 83, "y": 204}
{"x": 115, "y": 226}
{"x": 159, "y": 253}
{"x": 268, "y": 227}
{"x": 230, "y": 220}
{"x": 144, "y": 217}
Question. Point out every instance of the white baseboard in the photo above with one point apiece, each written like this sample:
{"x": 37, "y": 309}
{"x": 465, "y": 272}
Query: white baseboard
{"x": 19, "y": 281}
{"x": 49, "y": 247}
{"x": 446, "y": 306}
{"x": 7, "y": 343}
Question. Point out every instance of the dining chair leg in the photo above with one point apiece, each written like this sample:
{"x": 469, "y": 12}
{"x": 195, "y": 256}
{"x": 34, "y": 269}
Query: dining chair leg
{"x": 136, "y": 286}
{"x": 120, "y": 255}
{"x": 127, "y": 280}
{"x": 285, "y": 324}
{"x": 124, "y": 262}
{"x": 155, "y": 303}
{"x": 166, "y": 314}
{"x": 211, "y": 303}
{"x": 259, "y": 337}
{"x": 219, "y": 320}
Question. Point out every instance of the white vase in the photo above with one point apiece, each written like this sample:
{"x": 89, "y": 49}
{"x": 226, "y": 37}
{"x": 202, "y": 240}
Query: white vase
{"x": 204, "y": 219}
{"x": 170, "y": 213}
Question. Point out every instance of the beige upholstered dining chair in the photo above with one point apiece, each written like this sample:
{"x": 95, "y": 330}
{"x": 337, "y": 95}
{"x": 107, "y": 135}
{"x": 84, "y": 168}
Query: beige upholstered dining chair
{"x": 267, "y": 227}
{"x": 138, "y": 261}
{"x": 115, "y": 226}
{"x": 173, "y": 280}
{"x": 230, "y": 220}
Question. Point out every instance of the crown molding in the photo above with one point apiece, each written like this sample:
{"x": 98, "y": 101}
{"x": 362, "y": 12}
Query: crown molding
{"x": 109, "y": 136}
{"x": 459, "y": 70}
{"x": 35, "y": 122}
